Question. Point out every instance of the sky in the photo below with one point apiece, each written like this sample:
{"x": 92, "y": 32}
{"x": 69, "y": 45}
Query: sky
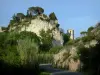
{"x": 71, "y": 14}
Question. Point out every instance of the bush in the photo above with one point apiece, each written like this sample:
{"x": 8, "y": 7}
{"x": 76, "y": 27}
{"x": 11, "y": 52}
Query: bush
{"x": 90, "y": 59}
{"x": 52, "y": 16}
{"x": 66, "y": 38}
{"x": 55, "y": 50}
{"x": 46, "y": 40}
{"x": 30, "y": 35}
{"x": 45, "y": 58}
{"x": 27, "y": 50}
{"x": 18, "y": 55}
{"x": 70, "y": 42}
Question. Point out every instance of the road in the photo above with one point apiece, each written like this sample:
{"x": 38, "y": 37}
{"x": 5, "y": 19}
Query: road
{"x": 53, "y": 71}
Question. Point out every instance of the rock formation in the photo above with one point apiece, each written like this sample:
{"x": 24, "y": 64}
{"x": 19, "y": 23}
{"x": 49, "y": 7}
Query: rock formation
{"x": 39, "y": 23}
{"x": 68, "y": 57}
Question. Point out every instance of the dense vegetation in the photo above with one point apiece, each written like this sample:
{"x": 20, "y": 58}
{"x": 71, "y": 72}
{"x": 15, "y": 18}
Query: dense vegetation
{"x": 17, "y": 53}
{"x": 90, "y": 59}
{"x": 89, "y": 56}
{"x": 20, "y": 19}
{"x": 21, "y": 53}
{"x": 24, "y": 51}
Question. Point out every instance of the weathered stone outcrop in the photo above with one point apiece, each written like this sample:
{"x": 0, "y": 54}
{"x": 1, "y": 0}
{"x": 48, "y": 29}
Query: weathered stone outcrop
{"x": 67, "y": 59}
{"x": 37, "y": 24}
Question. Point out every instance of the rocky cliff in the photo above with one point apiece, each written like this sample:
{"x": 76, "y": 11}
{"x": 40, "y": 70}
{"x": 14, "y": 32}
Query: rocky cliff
{"x": 39, "y": 23}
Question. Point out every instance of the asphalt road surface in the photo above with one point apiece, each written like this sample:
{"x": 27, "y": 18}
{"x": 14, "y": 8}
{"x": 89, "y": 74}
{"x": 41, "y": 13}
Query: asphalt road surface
{"x": 53, "y": 71}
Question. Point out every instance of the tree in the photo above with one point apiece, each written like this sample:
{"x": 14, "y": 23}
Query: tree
{"x": 90, "y": 29}
{"x": 39, "y": 10}
{"x": 20, "y": 15}
{"x": 83, "y": 33}
{"x": 35, "y": 10}
{"x": 46, "y": 40}
{"x": 66, "y": 38}
{"x": 90, "y": 34}
{"x": 14, "y": 19}
{"x": 17, "y": 54}
{"x": 90, "y": 59}
{"x": 52, "y": 16}
{"x": 4, "y": 29}
{"x": 30, "y": 35}
{"x": 3, "y": 36}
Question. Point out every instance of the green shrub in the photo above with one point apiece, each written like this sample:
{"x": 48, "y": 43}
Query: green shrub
{"x": 30, "y": 35}
{"x": 52, "y": 16}
{"x": 27, "y": 50}
{"x": 66, "y": 38}
{"x": 45, "y": 73}
{"x": 46, "y": 40}
{"x": 45, "y": 16}
{"x": 55, "y": 50}
{"x": 45, "y": 58}
{"x": 70, "y": 42}
{"x": 17, "y": 54}
{"x": 90, "y": 59}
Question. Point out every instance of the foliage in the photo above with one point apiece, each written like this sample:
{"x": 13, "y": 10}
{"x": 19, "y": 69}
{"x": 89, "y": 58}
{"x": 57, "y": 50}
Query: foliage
{"x": 77, "y": 39}
{"x": 52, "y": 16}
{"x": 30, "y": 35}
{"x": 55, "y": 49}
{"x": 8, "y": 53}
{"x": 90, "y": 59}
{"x": 85, "y": 39}
{"x": 45, "y": 58}
{"x": 70, "y": 42}
{"x": 15, "y": 18}
{"x": 35, "y": 10}
{"x": 20, "y": 15}
{"x": 27, "y": 50}
{"x": 46, "y": 40}
{"x": 3, "y": 36}
{"x": 32, "y": 13}
{"x": 66, "y": 38}
{"x": 83, "y": 33}
{"x": 45, "y": 16}
{"x": 4, "y": 28}
{"x": 90, "y": 29}
{"x": 87, "y": 35}
{"x": 12, "y": 51}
